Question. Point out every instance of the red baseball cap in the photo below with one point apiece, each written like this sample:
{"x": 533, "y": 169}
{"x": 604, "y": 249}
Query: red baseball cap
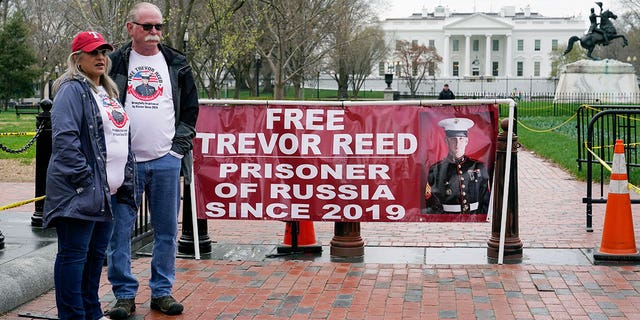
{"x": 88, "y": 41}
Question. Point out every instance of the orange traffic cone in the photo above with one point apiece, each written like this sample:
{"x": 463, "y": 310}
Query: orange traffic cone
{"x": 618, "y": 240}
{"x": 299, "y": 236}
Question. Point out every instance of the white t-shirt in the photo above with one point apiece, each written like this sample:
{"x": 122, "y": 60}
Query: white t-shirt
{"x": 149, "y": 104}
{"x": 115, "y": 123}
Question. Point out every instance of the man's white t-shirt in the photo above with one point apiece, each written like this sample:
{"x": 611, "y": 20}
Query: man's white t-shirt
{"x": 115, "y": 123}
{"x": 149, "y": 104}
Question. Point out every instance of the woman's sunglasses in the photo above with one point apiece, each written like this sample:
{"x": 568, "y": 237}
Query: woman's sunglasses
{"x": 148, "y": 26}
{"x": 99, "y": 51}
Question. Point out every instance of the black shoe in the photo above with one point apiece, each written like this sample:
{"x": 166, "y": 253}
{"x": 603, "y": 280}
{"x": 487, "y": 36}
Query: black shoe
{"x": 167, "y": 305}
{"x": 123, "y": 309}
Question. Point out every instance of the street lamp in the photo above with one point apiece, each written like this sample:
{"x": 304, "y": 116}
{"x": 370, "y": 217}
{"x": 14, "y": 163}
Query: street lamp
{"x": 258, "y": 65}
{"x": 185, "y": 41}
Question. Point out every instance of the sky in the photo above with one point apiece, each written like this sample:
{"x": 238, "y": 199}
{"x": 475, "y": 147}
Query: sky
{"x": 550, "y": 8}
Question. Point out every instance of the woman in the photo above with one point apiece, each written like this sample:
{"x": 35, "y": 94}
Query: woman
{"x": 91, "y": 166}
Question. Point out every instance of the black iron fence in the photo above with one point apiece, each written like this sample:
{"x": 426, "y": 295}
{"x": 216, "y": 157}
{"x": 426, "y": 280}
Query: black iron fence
{"x": 599, "y": 127}
{"x": 540, "y": 104}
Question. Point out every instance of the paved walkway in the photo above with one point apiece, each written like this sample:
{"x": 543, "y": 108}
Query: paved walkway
{"x": 551, "y": 220}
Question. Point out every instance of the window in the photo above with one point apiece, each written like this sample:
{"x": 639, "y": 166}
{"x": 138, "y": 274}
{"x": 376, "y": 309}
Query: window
{"x": 432, "y": 44}
{"x": 537, "y": 45}
{"x": 520, "y": 45}
{"x": 476, "y": 45}
{"x": 456, "y": 69}
{"x": 414, "y": 69}
{"x": 494, "y": 68}
{"x": 456, "y": 45}
{"x": 475, "y": 67}
{"x": 398, "y": 44}
{"x": 520, "y": 68}
{"x": 398, "y": 69}
{"x": 414, "y": 43}
{"x": 554, "y": 44}
{"x": 432, "y": 68}
{"x": 496, "y": 44}
{"x": 536, "y": 69}
{"x": 381, "y": 69}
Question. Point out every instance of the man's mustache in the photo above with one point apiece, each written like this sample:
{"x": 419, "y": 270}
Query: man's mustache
{"x": 152, "y": 37}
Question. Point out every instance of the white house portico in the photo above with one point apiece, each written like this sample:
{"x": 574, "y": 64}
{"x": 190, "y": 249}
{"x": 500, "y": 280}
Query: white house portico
{"x": 477, "y": 33}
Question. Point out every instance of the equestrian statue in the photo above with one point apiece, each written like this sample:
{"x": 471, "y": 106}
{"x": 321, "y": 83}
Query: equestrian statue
{"x": 599, "y": 33}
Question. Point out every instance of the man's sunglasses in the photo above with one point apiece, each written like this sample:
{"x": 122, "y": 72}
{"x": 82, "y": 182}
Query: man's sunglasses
{"x": 148, "y": 26}
{"x": 103, "y": 52}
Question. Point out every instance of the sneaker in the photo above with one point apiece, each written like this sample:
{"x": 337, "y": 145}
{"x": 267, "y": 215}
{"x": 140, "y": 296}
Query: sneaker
{"x": 123, "y": 309}
{"x": 167, "y": 305}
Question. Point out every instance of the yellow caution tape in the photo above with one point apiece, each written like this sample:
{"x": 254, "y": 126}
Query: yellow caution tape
{"x": 21, "y": 203}
{"x": 28, "y": 133}
{"x": 546, "y": 130}
{"x": 606, "y": 166}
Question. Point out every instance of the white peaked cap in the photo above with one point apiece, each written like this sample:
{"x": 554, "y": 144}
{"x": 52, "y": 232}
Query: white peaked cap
{"x": 456, "y": 127}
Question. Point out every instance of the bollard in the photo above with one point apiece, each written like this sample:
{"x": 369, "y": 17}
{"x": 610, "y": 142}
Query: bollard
{"x": 186, "y": 241}
{"x": 43, "y": 153}
{"x": 512, "y": 243}
{"x": 346, "y": 242}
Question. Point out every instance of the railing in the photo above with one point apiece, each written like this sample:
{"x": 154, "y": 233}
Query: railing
{"x": 603, "y": 128}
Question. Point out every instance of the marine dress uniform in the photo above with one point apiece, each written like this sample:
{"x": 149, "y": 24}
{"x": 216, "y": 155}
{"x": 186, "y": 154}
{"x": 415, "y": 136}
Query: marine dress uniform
{"x": 457, "y": 185}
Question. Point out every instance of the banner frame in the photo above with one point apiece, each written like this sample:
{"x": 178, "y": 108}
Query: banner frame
{"x": 512, "y": 104}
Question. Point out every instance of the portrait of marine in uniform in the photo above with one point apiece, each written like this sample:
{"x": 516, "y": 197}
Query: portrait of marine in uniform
{"x": 145, "y": 89}
{"x": 457, "y": 184}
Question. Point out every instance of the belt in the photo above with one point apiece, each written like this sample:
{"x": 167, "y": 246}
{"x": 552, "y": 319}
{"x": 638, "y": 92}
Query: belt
{"x": 456, "y": 208}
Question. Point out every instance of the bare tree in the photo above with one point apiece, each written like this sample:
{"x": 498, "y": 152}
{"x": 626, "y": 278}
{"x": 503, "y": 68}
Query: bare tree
{"x": 220, "y": 45}
{"x": 366, "y": 50}
{"x": 415, "y": 61}
{"x": 350, "y": 18}
{"x": 287, "y": 39}
{"x": 106, "y": 17}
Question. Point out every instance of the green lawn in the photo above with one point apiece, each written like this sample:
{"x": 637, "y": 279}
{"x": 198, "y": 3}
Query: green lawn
{"x": 9, "y": 122}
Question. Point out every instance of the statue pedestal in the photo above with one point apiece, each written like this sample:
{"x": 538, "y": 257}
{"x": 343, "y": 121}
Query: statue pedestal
{"x": 388, "y": 94}
{"x": 608, "y": 81}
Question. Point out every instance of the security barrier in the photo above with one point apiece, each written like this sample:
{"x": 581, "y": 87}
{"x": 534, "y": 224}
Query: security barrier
{"x": 614, "y": 122}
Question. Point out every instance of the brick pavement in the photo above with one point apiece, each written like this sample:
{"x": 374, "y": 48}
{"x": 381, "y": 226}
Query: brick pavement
{"x": 551, "y": 216}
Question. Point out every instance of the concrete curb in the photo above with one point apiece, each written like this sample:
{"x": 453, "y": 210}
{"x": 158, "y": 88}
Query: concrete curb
{"x": 27, "y": 277}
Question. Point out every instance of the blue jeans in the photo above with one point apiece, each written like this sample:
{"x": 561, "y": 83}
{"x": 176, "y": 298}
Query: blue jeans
{"x": 76, "y": 273}
{"x": 160, "y": 180}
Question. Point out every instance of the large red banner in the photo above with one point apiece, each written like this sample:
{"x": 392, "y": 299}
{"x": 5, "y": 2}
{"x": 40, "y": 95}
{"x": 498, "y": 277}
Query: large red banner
{"x": 345, "y": 163}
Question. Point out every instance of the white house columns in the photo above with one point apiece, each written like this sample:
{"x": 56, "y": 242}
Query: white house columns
{"x": 508, "y": 49}
{"x": 467, "y": 55}
{"x": 445, "y": 57}
{"x": 487, "y": 55}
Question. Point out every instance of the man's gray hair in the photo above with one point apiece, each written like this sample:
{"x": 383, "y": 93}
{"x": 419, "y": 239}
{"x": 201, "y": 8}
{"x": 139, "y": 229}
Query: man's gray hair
{"x": 133, "y": 13}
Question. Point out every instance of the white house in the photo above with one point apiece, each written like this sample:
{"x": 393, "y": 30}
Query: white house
{"x": 490, "y": 46}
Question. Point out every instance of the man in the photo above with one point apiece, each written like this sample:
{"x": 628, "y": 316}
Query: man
{"x": 457, "y": 184}
{"x": 446, "y": 94}
{"x": 162, "y": 129}
{"x": 593, "y": 26}
{"x": 145, "y": 89}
